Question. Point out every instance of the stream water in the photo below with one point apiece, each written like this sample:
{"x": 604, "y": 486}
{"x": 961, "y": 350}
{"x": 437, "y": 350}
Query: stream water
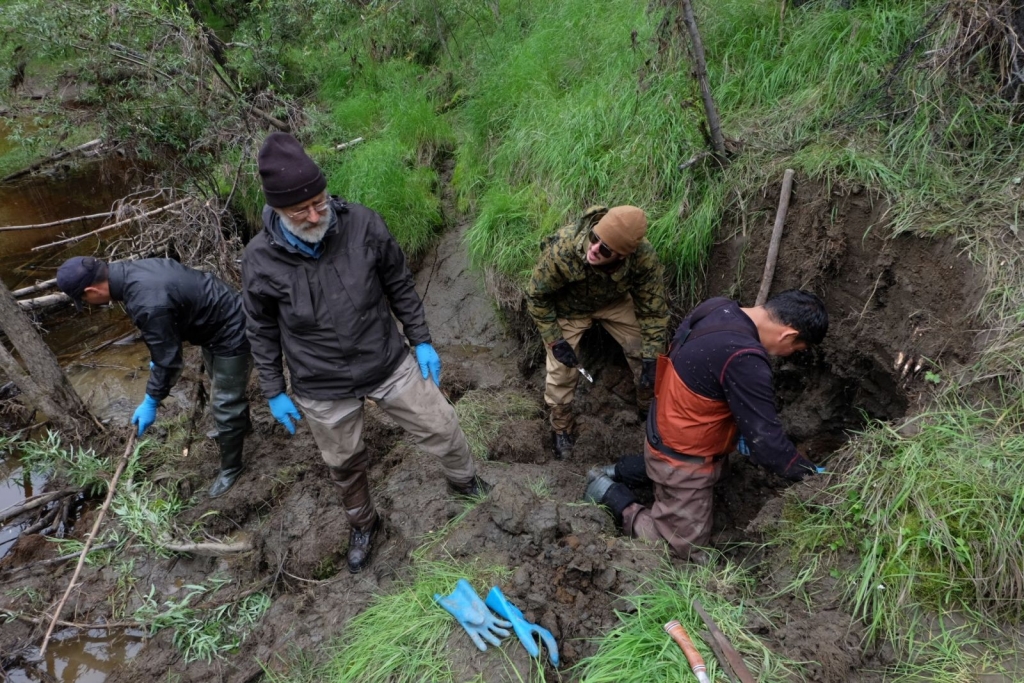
{"x": 110, "y": 379}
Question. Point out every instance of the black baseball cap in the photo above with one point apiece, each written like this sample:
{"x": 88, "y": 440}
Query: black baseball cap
{"x": 77, "y": 273}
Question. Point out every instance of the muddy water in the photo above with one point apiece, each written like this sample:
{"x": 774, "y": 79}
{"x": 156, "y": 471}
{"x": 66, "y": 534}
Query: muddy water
{"x": 111, "y": 380}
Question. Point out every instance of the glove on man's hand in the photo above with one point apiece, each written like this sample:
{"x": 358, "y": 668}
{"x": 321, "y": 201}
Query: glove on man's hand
{"x": 564, "y": 354}
{"x": 800, "y": 468}
{"x": 284, "y": 411}
{"x": 428, "y": 359}
{"x": 742, "y": 448}
{"x": 145, "y": 414}
{"x": 471, "y": 612}
{"x": 648, "y": 373}
{"x": 526, "y": 631}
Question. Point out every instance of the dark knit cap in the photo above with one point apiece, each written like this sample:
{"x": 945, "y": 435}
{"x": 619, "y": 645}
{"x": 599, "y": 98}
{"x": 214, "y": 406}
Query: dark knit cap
{"x": 288, "y": 175}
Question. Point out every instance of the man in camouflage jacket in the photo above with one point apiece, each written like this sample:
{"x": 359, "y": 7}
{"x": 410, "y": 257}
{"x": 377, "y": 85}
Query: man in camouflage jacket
{"x": 600, "y": 269}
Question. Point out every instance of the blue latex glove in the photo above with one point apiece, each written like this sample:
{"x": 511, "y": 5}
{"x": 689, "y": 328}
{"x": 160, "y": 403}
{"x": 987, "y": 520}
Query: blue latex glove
{"x": 742, "y": 447}
{"x": 145, "y": 414}
{"x": 526, "y": 631}
{"x": 151, "y": 366}
{"x": 428, "y": 359}
{"x": 471, "y": 612}
{"x": 284, "y": 411}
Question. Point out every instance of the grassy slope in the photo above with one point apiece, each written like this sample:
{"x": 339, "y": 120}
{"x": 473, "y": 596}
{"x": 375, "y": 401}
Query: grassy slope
{"x": 548, "y": 107}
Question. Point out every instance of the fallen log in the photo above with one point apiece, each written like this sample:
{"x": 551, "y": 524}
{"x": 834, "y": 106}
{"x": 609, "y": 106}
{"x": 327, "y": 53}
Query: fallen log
{"x": 50, "y": 159}
{"x": 46, "y": 301}
{"x": 209, "y": 549}
{"x": 118, "y": 224}
{"x": 30, "y": 504}
{"x": 38, "y": 287}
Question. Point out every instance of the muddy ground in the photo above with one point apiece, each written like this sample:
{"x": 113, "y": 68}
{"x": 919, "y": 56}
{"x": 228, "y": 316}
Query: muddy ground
{"x": 886, "y": 298}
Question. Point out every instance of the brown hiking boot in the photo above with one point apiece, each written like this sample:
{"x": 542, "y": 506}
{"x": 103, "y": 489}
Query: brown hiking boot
{"x": 564, "y": 443}
{"x": 360, "y": 545}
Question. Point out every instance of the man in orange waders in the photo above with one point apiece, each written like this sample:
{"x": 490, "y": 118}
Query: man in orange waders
{"x": 714, "y": 384}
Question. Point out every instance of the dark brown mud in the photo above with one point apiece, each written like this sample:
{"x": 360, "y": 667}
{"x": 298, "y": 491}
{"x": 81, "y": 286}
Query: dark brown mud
{"x": 570, "y": 567}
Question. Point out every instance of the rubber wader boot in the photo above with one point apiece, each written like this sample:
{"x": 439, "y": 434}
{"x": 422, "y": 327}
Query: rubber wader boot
{"x": 230, "y": 464}
{"x": 601, "y": 490}
{"x": 564, "y": 443}
{"x": 360, "y": 545}
{"x": 476, "y": 488}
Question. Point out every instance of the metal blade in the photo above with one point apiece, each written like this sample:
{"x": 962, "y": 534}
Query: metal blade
{"x": 733, "y": 660}
{"x": 585, "y": 374}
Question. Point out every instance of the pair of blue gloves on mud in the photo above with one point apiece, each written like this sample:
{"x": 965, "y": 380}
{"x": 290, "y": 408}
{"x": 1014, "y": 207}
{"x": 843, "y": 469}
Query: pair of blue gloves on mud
{"x": 284, "y": 411}
{"x": 474, "y": 616}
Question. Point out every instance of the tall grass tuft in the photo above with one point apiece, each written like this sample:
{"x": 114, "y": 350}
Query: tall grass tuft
{"x": 934, "y": 510}
{"x": 639, "y": 650}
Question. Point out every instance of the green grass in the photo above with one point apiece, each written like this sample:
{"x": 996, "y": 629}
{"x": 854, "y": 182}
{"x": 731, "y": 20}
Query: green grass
{"x": 639, "y": 650}
{"x": 402, "y": 637}
{"x": 482, "y": 412}
{"x": 933, "y": 510}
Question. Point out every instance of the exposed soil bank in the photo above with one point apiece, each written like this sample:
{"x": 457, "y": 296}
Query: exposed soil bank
{"x": 885, "y": 297}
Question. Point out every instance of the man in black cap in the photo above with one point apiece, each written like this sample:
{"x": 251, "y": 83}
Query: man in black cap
{"x": 320, "y": 285}
{"x": 171, "y": 303}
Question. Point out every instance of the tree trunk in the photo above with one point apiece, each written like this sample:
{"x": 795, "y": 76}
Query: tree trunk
{"x": 41, "y": 380}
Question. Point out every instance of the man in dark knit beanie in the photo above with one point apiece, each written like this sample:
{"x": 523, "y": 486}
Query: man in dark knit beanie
{"x": 322, "y": 285}
{"x": 599, "y": 269}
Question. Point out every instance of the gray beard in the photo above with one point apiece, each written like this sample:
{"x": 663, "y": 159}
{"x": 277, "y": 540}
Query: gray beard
{"x": 311, "y": 233}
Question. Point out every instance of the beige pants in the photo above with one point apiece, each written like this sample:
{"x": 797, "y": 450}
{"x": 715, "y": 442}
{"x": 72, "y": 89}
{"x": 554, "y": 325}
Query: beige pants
{"x": 416, "y": 404}
{"x": 681, "y": 514}
{"x": 619, "y": 319}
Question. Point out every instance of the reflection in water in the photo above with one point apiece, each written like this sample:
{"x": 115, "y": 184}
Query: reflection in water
{"x": 74, "y": 657}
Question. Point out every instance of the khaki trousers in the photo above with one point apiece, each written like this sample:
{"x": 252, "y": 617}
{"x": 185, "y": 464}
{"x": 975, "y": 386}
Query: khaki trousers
{"x": 681, "y": 514}
{"x": 619, "y": 319}
{"x": 416, "y": 404}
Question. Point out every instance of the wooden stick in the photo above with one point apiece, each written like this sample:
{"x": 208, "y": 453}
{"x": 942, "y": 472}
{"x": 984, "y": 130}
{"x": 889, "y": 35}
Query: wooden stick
{"x": 346, "y": 145}
{"x": 53, "y": 157}
{"x": 65, "y": 221}
{"x": 45, "y": 301}
{"x": 33, "y": 503}
{"x": 38, "y": 287}
{"x": 773, "y": 247}
{"x": 209, "y": 549}
{"x": 55, "y": 560}
{"x": 118, "y": 224}
{"x": 710, "y": 110}
{"x": 92, "y": 535}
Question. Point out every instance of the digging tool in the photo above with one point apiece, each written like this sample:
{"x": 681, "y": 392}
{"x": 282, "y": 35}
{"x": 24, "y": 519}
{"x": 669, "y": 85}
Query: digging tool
{"x": 682, "y": 638}
{"x": 731, "y": 660}
{"x": 585, "y": 374}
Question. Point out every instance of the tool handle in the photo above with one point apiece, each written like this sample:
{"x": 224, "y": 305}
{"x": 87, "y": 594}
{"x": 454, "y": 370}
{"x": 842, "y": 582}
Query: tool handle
{"x": 682, "y": 638}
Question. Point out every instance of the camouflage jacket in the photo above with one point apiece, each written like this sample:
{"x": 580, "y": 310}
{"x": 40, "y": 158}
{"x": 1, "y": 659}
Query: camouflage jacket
{"x": 564, "y": 285}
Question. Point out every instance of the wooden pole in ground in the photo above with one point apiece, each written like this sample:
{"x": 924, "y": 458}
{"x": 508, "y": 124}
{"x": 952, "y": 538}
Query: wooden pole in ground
{"x": 773, "y": 247}
{"x": 88, "y": 541}
{"x": 710, "y": 110}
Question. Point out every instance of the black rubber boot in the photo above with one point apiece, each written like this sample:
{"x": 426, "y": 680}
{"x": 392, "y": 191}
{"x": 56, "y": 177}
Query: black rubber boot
{"x": 230, "y": 464}
{"x": 564, "y": 443}
{"x": 631, "y": 471}
{"x": 476, "y": 488}
{"x": 360, "y": 546}
{"x": 617, "y": 498}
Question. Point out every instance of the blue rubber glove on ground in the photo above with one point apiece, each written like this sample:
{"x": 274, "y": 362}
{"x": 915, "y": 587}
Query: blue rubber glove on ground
{"x": 284, "y": 411}
{"x": 471, "y": 612}
{"x": 145, "y": 414}
{"x": 428, "y": 359}
{"x": 526, "y": 631}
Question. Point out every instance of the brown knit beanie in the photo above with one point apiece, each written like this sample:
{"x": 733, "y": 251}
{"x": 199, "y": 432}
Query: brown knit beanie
{"x": 622, "y": 229}
{"x": 287, "y": 173}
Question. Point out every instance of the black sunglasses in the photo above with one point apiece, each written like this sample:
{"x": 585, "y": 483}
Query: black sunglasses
{"x": 603, "y": 249}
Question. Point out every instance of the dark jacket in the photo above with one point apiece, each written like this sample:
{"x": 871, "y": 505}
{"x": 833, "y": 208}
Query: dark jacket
{"x": 330, "y": 315}
{"x": 171, "y": 303}
{"x": 717, "y": 353}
